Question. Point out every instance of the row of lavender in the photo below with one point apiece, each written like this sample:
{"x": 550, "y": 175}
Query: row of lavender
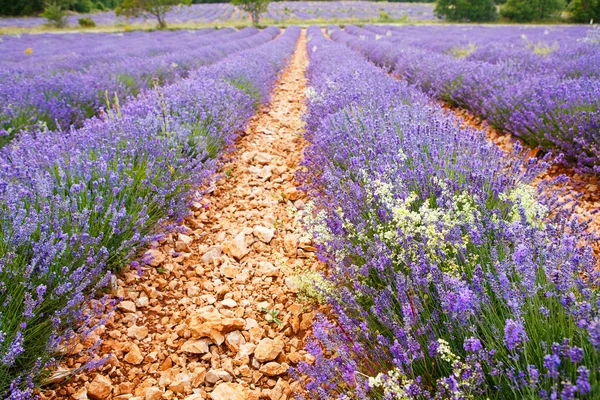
{"x": 356, "y": 10}
{"x": 541, "y": 85}
{"x": 448, "y": 279}
{"x": 278, "y": 11}
{"x": 197, "y": 13}
{"x": 58, "y": 96}
{"x": 30, "y": 53}
{"x": 73, "y": 207}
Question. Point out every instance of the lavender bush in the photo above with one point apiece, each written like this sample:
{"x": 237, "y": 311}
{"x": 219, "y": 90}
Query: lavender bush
{"x": 60, "y": 99}
{"x": 543, "y": 86}
{"x": 74, "y": 207}
{"x": 448, "y": 279}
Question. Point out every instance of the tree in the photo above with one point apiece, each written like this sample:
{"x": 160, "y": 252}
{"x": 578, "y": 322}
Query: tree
{"x": 531, "y": 10}
{"x": 55, "y": 11}
{"x": 584, "y": 10}
{"x": 254, "y": 7}
{"x": 156, "y": 8}
{"x": 466, "y": 10}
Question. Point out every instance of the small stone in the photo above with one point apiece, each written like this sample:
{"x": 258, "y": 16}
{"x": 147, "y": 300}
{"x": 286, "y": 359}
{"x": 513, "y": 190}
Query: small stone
{"x": 142, "y": 302}
{"x": 182, "y": 247}
{"x": 153, "y": 393}
{"x": 229, "y": 271}
{"x": 184, "y": 238}
{"x": 81, "y": 394}
{"x": 155, "y": 257}
{"x": 268, "y": 269}
{"x": 295, "y": 357}
{"x": 100, "y": 388}
{"x": 135, "y": 355}
{"x": 290, "y": 243}
{"x": 193, "y": 291}
{"x": 228, "y": 391}
{"x": 273, "y": 368}
{"x": 234, "y": 340}
{"x": 229, "y": 303}
{"x": 245, "y": 350}
{"x": 263, "y": 234}
{"x": 138, "y": 332}
{"x": 264, "y": 173}
{"x": 291, "y": 193}
{"x": 181, "y": 385}
{"x": 212, "y": 254}
{"x": 237, "y": 248}
{"x": 196, "y": 346}
{"x": 268, "y": 349}
{"x": 127, "y": 306}
{"x": 213, "y": 325}
{"x": 212, "y": 377}
{"x": 263, "y": 158}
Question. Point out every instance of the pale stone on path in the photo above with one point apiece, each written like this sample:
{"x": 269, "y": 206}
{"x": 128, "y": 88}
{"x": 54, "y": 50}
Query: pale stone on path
{"x": 229, "y": 271}
{"x": 237, "y": 248}
{"x": 195, "y": 346}
{"x": 213, "y": 325}
{"x": 153, "y": 393}
{"x": 212, "y": 254}
{"x": 127, "y": 306}
{"x": 268, "y": 349}
{"x": 234, "y": 340}
{"x": 135, "y": 355}
{"x": 264, "y": 234}
{"x": 137, "y": 332}
{"x": 291, "y": 193}
{"x": 263, "y": 158}
{"x": 273, "y": 368}
{"x": 155, "y": 256}
{"x": 228, "y": 391}
{"x": 81, "y": 394}
{"x": 100, "y": 388}
{"x": 230, "y": 303}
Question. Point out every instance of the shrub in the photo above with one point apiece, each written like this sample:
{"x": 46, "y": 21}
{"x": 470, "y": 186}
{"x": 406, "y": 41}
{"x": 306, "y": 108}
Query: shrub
{"x": 584, "y": 10}
{"x": 466, "y": 10}
{"x": 83, "y": 6}
{"x": 55, "y": 13}
{"x": 384, "y": 16}
{"x": 86, "y": 22}
{"x": 531, "y": 10}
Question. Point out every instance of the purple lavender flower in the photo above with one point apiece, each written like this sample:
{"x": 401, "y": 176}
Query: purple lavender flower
{"x": 583, "y": 384}
{"x": 551, "y": 363}
{"x": 514, "y": 334}
{"x": 472, "y": 345}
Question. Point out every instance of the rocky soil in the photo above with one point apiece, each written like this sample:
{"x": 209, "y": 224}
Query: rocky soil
{"x": 215, "y": 314}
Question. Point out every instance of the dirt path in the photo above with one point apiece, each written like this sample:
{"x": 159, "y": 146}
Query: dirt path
{"x": 216, "y": 315}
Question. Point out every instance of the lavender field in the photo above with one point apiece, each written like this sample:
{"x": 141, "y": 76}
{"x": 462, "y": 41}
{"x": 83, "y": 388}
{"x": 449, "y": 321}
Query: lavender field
{"x": 300, "y": 213}
{"x": 225, "y": 13}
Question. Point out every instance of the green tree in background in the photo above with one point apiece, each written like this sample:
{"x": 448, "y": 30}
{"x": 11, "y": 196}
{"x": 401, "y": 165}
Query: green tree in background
{"x": 584, "y": 10}
{"x": 55, "y": 11}
{"x": 466, "y": 10}
{"x": 34, "y": 7}
{"x": 531, "y": 10}
{"x": 254, "y": 7}
{"x": 157, "y": 8}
